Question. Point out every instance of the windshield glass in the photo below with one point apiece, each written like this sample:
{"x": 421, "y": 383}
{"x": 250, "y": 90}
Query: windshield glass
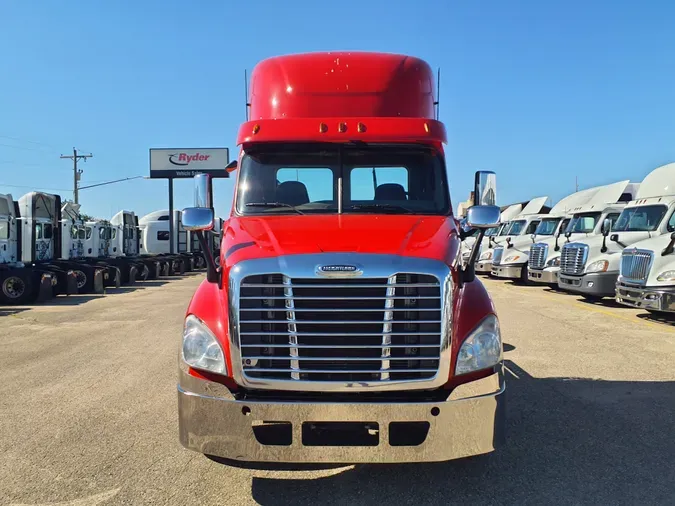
{"x": 517, "y": 227}
{"x": 292, "y": 179}
{"x": 491, "y": 231}
{"x": 583, "y": 223}
{"x": 505, "y": 228}
{"x": 547, "y": 226}
{"x": 4, "y": 229}
{"x": 640, "y": 219}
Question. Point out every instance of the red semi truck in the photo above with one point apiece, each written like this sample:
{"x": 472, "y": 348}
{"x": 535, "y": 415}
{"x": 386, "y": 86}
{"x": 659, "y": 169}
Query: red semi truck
{"x": 339, "y": 325}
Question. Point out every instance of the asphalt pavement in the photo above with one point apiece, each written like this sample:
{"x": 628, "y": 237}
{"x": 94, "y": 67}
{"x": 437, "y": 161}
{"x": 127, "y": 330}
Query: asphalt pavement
{"x": 88, "y": 412}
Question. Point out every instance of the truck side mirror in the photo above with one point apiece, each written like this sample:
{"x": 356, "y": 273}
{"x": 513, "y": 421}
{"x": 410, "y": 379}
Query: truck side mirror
{"x": 482, "y": 217}
{"x": 670, "y": 247}
{"x": 485, "y": 189}
{"x": 200, "y": 219}
{"x": 533, "y": 236}
{"x": 606, "y": 227}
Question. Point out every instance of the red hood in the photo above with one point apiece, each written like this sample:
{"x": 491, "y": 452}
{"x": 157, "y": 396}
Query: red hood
{"x": 407, "y": 235}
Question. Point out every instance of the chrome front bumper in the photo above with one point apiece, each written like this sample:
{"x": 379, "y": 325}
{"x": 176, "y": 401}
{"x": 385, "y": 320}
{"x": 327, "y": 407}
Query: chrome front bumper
{"x": 507, "y": 271}
{"x": 211, "y": 421}
{"x": 484, "y": 267}
{"x": 598, "y": 284}
{"x": 548, "y": 276}
{"x": 655, "y": 299}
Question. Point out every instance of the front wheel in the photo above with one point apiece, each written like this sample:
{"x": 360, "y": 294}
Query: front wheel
{"x": 591, "y": 298}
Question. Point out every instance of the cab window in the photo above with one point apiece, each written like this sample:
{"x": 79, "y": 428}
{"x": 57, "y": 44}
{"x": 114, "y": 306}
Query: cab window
{"x": 47, "y": 231}
{"x": 4, "y": 229}
{"x": 671, "y": 223}
{"x": 38, "y": 230}
{"x": 88, "y": 232}
{"x": 81, "y": 233}
{"x": 532, "y": 227}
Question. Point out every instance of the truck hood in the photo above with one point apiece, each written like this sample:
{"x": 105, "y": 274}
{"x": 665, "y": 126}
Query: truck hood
{"x": 406, "y": 235}
{"x": 660, "y": 263}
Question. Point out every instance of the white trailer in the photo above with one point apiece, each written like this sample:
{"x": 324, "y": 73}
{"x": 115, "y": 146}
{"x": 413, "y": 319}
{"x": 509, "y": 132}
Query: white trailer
{"x": 590, "y": 266}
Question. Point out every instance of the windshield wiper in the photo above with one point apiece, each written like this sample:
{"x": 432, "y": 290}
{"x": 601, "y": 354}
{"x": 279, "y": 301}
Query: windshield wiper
{"x": 274, "y": 204}
{"x": 383, "y": 207}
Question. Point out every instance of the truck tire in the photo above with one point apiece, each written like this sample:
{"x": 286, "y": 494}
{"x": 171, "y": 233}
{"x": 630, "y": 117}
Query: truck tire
{"x": 524, "y": 280}
{"x": 16, "y": 288}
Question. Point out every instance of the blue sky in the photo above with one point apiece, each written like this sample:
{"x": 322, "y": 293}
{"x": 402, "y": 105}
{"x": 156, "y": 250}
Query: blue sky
{"x": 539, "y": 92}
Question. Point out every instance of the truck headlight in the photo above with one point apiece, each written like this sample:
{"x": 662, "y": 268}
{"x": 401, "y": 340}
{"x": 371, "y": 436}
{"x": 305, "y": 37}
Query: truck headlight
{"x": 511, "y": 258}
{"x": 666, "y": 276}
{"x": 486, "y": 256}
{"x": 553, "y": 262}
{"x": 201, "y": 349}
{"x": 599, "y": 266}
{"x": 482, "y": 349}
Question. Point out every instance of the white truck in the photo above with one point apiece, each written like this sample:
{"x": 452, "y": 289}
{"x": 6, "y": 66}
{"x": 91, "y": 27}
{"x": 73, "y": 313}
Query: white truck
{"x": 524, "y": 224}
{"x": 590, "y": 266}
{"x": 127, "y": 248}
{"x": 21, "y": 283}
{"x": 516, "y": 254}
{"x": 493, "y": 237}
{"x": 603, "y": 202}
{"x": 647, "y": 273}
{"x": 155, "y": 238}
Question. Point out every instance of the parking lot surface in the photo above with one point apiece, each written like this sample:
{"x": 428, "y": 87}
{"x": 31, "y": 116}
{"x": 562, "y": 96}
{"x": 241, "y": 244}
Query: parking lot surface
{"x": 88, "y": 412}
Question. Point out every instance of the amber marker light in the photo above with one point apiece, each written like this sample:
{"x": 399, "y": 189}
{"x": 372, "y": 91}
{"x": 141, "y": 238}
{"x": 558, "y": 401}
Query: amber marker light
{"x": 360, "y": 127}
{"x": 342, "y": 127}
{"x": 426, "y": 127}
{"x": 256, "y": 129}
{"x": 323, "y": 128}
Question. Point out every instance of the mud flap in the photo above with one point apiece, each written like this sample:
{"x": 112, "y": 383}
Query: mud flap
{"x": 71, "y": 283}
{"x": 98, "y": 281}
{"x": 46, "y": 287}
{"x": 117, "y": 282}
{"x": 133, "y": 275}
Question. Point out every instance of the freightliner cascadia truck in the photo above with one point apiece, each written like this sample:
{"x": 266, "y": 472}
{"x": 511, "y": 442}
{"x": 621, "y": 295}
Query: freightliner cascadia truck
{"x": 341, "y": 325}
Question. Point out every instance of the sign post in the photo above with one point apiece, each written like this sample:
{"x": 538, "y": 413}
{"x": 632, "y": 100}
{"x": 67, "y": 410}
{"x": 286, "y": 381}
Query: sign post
{"x": 175, "y": 163}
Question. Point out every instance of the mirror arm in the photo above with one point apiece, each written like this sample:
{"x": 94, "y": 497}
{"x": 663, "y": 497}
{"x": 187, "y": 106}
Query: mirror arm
{"x": 615, "y": 238}
{"x": 468, "y": 273}
{"x": 213, "y": 274}
{"x": 603, "y": 249}
{"x": 557, "y": 246}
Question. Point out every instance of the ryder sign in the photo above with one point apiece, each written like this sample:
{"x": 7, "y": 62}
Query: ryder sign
{"x": 184, "y": 163}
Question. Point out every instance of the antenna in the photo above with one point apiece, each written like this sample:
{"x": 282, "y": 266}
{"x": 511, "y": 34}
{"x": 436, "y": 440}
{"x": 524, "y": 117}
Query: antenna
{"x": 246, "y": 93}
{"x": 437, "y": 103}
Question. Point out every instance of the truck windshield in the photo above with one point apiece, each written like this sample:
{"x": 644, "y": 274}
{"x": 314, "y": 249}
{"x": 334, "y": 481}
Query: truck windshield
{"x": 583, "y": 223}
{"x": 492, "y": 231}
{"x": 505, "y": 229}
{"x": 547, "y": 226}
{"x": 360, "y": 178}
{"x": 517, "y": 227}
{"x": 640, "y": 219}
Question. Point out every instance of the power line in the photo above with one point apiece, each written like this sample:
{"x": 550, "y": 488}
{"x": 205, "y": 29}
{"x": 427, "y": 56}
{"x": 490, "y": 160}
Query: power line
{"x": 110, "y": 182}
{"x": 26, "y": 140}
{"x": 33, "y": 187}
{"x": 76, "y": 173}
{"x": 23, "y": 148}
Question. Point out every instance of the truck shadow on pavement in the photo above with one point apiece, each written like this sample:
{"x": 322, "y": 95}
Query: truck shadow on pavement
{"x": 569, "y": 440}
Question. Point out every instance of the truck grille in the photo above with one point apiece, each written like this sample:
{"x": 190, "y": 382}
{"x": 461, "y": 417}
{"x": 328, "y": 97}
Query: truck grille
{"x": 345, "y": 330}
{"x": 635, "y": 265}
{"x": 573, "y": 258}
{"x": 538, "y": 254}
{"x": 497, "y": 255}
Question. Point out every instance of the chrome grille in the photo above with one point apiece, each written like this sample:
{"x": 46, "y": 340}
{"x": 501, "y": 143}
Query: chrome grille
{"x": 538, "y": 254}
{"x": 497, "y": 255}
{"x": 340, "y": 329}
{"x": 635, "y": 265}
{"x": 573, "y": 258}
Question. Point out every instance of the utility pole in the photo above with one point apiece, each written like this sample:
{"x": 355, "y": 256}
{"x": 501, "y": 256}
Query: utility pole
{"x": 76, "y": 173}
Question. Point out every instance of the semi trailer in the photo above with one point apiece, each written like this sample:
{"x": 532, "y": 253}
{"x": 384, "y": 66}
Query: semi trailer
{"x": 590, "y": 267}
{"x": 341, "y": 325}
